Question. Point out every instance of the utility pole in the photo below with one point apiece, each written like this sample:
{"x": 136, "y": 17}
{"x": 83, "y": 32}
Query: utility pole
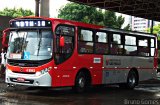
{"x": 44, "y": 8}
{"x": 37, "y": 5}
{"x": 152, "y": 22}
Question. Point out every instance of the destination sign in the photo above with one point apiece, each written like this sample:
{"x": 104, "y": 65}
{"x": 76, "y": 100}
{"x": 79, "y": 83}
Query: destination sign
{"x": 30, "y": 23}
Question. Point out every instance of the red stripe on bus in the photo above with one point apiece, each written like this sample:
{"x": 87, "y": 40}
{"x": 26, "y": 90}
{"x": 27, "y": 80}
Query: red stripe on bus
{"x": 126, "y": 68}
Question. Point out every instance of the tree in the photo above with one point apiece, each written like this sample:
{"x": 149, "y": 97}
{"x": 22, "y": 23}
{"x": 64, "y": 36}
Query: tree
{"x": 78, "y": 12}
{"x": 128, "y": 27}
{"x": 92, "y": 15}
{"x": 156, "y": 30}
{"x": 16, "y": 12}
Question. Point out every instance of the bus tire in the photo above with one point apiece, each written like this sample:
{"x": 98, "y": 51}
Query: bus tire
{"x": 80, "y": 82}
{"x": 132, "y": 80}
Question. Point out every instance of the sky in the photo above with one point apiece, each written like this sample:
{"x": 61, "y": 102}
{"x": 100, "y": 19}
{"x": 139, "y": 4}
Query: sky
{"x": 30, "y": 4}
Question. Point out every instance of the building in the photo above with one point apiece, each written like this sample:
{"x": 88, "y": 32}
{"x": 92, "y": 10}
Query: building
{"x": 136, "y": 23}
{"x": 141, "y": 24}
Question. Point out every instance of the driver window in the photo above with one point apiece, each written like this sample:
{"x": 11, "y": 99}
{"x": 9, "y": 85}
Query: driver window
{"x": 65, "y": 52}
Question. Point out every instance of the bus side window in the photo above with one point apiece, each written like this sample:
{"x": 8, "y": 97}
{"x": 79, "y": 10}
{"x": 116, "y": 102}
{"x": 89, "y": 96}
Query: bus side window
{"x": 130, "y": 45}
{"x": 116, "y": 46}
{"x": 85, "y": 44}
{"x": 143, "y": 46}
{"x": 101, "y": 43}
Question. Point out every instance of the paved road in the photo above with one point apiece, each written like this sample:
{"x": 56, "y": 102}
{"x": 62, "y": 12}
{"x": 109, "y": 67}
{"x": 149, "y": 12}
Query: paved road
{"x": 147, "y": 94}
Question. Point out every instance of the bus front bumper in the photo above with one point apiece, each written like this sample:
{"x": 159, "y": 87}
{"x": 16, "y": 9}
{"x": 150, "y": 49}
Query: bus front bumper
{"x": 43, "y": 80}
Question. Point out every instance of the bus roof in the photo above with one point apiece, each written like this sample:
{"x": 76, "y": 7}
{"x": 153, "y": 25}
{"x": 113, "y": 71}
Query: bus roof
{"x": 128, "y": 32}
{"x": 87, "y": 25}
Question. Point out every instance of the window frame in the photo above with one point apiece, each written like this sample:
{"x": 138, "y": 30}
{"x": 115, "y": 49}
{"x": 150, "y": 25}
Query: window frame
{"x": 148, "y": 45}
{"x": 55, "y": 41}
{"x": 78, "y": 39}
{"x": 130, "y": 44}
{"x": 107, "y": 43}
{"x": 121, "y": 44}
{"x": 153, "y": 47}
{"x": 122, "y": 35}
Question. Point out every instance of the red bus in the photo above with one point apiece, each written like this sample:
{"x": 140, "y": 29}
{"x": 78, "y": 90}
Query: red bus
{"x": 49, "y": 52}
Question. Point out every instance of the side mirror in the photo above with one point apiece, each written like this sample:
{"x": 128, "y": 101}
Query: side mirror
{"x": 4, "y": 37}
{"x": 61, "y": 41}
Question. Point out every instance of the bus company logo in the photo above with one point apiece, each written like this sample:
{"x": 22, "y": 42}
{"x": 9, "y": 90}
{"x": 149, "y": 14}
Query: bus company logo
{"x": 30, "y": 70}
{"x": 21, "y": 69}
{"x": 113, "y": 62}
{"x": 21, "y": 64}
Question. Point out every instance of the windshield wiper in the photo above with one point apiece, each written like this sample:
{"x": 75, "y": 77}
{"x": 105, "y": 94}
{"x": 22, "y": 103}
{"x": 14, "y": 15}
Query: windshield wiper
{"x": 11, "y": 34}
{"x": 39, "y": 44}
{"x": 18, "y": 50}
{"x": 24, "y": 44}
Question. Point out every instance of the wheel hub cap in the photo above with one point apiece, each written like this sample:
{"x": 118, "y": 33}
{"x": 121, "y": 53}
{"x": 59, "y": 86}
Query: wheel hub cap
{"x": 81, "y": 82}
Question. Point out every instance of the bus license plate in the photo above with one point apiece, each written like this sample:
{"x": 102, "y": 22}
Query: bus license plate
{"x": 20, "y": 79}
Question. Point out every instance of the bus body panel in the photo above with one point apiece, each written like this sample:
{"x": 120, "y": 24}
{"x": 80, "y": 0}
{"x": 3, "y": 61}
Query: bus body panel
{"x": 116, "y": 68}
{"x": 94, "y": 64}
{"x": 69, "y": 70}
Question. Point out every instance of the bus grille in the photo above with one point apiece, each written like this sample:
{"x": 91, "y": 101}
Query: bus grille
{"x": 24, "y": 72}
{"x": 22, "y": 63}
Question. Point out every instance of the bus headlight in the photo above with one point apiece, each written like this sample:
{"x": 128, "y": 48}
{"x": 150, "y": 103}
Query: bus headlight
{"x": 8, "y": 71}
{"x": 38, "y": 73}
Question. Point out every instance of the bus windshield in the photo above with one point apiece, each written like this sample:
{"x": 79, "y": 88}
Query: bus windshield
{"x": 30, "y": 45}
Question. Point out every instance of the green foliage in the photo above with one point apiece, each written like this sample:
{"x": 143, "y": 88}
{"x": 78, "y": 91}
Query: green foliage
{"x": 156, "y": 30}
{"x": 111, "y": 20}
{"x": 77, "y": 12}
{"x": 92, "y": 15}
{"x": 128, "y": 27}
{"x": 16, "y": 12}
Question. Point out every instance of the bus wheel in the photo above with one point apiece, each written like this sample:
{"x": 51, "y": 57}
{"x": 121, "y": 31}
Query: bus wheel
{"x": 80, "y": 83}
{"x": 132, "y": 80}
